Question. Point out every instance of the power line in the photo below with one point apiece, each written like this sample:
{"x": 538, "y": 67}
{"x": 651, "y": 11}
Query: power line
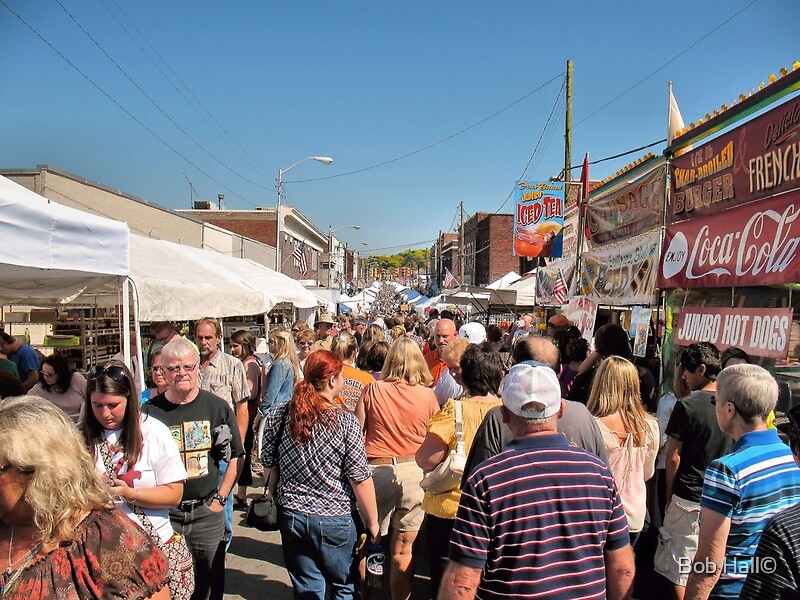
{"x": 118, "y": 105}
{"x": 670, "y": 61}
{"x": 434, "y": 144}
{"x": 155, "y": 104}
{"x": 230, "y": 141}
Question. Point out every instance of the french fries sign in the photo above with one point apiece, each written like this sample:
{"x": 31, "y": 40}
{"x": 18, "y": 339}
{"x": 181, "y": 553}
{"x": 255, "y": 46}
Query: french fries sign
{"x": 539, "y": 219}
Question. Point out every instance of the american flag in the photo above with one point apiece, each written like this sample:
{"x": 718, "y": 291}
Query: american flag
{"x": 449, "y": 279}
{"x": 560, "y": 289}
{"x": 299, "y": 255}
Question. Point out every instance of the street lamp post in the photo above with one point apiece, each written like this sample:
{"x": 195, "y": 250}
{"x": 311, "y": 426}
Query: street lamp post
{"x": 330, "y": 246}
{"x": 325, "y": 160}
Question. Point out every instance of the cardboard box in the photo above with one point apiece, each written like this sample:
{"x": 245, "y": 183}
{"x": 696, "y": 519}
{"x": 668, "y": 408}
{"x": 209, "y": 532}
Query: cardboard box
{"x": 16, "y": 317}
{"x": 43, "y": 315}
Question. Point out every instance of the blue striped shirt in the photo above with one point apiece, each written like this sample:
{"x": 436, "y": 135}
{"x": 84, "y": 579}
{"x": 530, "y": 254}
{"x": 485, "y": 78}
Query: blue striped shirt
{"x": 537, "y": 519}
{"x": 757, "y": 480}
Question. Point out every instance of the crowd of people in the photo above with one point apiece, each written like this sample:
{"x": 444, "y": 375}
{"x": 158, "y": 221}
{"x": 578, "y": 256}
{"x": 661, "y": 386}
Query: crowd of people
{"x": 558, "y": 457}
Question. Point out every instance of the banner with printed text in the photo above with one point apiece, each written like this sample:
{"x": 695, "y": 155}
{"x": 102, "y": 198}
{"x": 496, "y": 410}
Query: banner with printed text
{"x": 751, "y": 245}
{"x": 539, "y": 219}
{"x": 569, "y": 245}
{"x": 757, "y": 331}
{"x": 629, "y": 208}
{"x": 546, "y": 278}
{"x": 582, "y": 312}
{"x": 622, "y": 274}
{"x": 756, "y": 160}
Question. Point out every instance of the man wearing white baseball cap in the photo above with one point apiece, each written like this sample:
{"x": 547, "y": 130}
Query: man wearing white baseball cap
{"x": 542, "y": 518}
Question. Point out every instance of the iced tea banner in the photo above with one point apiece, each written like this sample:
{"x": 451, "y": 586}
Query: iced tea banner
{"x": 622, "y": 274}
{"x": 757, "y": 331}
{"x": 539, "y": 219}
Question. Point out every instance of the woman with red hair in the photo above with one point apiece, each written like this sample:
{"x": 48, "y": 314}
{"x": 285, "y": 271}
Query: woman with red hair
{"x": 323, "y": 475}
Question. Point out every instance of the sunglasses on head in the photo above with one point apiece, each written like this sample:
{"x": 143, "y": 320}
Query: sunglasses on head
{"x": 114, "y": 372}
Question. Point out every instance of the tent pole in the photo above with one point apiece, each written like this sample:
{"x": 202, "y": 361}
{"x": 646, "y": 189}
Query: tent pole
{"x": 126, "y": 323}
{"x": 137, "y": 327}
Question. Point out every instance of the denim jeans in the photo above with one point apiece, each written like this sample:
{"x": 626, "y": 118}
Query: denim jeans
{"x": 318, "y": 552}
{"x": 228, "y": 508}
{"x": 204, "y": 531}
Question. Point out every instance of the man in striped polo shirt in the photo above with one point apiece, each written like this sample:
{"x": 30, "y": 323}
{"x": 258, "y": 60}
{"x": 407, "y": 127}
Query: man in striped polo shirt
{"x": 743, "y": 489}
{"x": 542, "y": 518}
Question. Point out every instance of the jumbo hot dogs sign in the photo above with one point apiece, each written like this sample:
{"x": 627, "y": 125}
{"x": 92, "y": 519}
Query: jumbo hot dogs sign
{"x": 539, "y": 219}
{"x": 757, "y": 331}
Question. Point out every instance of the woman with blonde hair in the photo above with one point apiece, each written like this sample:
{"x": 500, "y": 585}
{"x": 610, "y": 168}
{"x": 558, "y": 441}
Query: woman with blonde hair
{"x": 344, "y": 346}
{"x": 323, "y": 477}
{"x": 283, "y": 373}
{"x": 629, "y": 432}
{"x": 394, "y": 413}
{"x": 373, "y": 333}
{"x": 305, "y": 346}
{"x": 65, "y": 538}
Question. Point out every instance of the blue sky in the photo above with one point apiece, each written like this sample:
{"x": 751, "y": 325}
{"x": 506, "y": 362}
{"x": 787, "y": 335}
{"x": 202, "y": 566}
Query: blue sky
{"x": 366, "y": 83}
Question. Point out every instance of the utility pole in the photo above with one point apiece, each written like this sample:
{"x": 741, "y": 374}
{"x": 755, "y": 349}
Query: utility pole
{"x": 568, "y": 131}
{"x": 462, "y": 257}
{"x": 439, "y": 260}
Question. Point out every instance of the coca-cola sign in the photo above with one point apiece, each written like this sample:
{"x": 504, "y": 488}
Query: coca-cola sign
{"x": 751, "y": 245}
{"x": 756, "y": 160}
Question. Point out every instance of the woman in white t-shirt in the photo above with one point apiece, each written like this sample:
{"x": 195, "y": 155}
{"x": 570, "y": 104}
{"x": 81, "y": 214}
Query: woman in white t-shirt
{"x": 146, "y": 468}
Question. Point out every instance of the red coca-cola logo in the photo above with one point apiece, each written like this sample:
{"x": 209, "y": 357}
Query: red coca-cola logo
{"x": 763, "y": 247}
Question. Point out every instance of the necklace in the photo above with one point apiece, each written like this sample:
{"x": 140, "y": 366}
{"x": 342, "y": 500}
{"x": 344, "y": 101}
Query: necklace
{"x": 12, "y": 564}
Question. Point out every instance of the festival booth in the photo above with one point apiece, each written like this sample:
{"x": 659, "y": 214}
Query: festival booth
{"x": 52, "y": 253}
{"x": 504, "y": 281}
{"x": 730, "y": 263}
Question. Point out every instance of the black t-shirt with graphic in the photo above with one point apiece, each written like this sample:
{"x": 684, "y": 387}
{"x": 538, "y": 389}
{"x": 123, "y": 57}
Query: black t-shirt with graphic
{"x": 192, "y": 427}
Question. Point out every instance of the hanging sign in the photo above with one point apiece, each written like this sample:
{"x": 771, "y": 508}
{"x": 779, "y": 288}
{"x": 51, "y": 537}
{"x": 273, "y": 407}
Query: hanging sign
{"x": 539, "y": 219}
{"x": 547, "y": 280}
{"x": 756, "y": 160}
{"x": 757, "y": 331}
{"x": 569, "y": 244}
{"x": 628, "y": 210}
{"x": 622, "y": 274}
{"x": 641, "y": 323}
{"x": 582, "y": 312}
{"x": 751, "y": 245}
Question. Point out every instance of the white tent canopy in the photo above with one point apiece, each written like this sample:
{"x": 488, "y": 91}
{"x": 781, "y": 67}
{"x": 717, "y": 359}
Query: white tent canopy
{"x": 519, "y": 293}
{"x": 52, "y": 252}
{"x": 505, "y": 281}
{"x": 176, "y": 282}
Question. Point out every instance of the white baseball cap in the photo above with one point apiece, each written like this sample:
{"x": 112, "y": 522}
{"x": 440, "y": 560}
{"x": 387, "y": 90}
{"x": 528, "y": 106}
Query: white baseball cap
{"x": 474, "y": 332}
{"x": 532, "y": 391}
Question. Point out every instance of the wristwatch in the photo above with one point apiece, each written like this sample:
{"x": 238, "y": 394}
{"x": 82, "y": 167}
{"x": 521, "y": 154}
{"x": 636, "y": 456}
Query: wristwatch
{"x": 219, "y": 498}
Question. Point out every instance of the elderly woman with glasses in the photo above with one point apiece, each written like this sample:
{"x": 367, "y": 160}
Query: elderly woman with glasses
{"x": 63, "y": 535}
{"x": 61, "y": 385}
{"x": 136, "y": 455}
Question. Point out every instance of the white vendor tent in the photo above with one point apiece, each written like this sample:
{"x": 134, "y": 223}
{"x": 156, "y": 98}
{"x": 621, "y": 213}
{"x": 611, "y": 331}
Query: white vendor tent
{"x": 177, "y": 282}
{"x": 52, "y": 252}
{"x": 505, "y": 281}
{"x": 519, "y": 293}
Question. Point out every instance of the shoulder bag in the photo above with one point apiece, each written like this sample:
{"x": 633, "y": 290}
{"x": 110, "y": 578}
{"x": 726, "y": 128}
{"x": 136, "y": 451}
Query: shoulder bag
{"x": 263, "y": 510}
{"x": 447, "y": 474}
{"x": 179, "y": 557}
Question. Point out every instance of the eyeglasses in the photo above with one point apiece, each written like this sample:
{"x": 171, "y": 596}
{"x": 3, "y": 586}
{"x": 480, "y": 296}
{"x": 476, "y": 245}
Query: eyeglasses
{"x": 270, "y": 341}
{"x": 156, "y": 369}
{"x": 114, "y": 372}
{"x": 46, "y": 374}
{"x": 306, "y": 344}
{"x": 177, "y": 368}
{"x": 26, "y": 470}
{"x": 295, "y": 331}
